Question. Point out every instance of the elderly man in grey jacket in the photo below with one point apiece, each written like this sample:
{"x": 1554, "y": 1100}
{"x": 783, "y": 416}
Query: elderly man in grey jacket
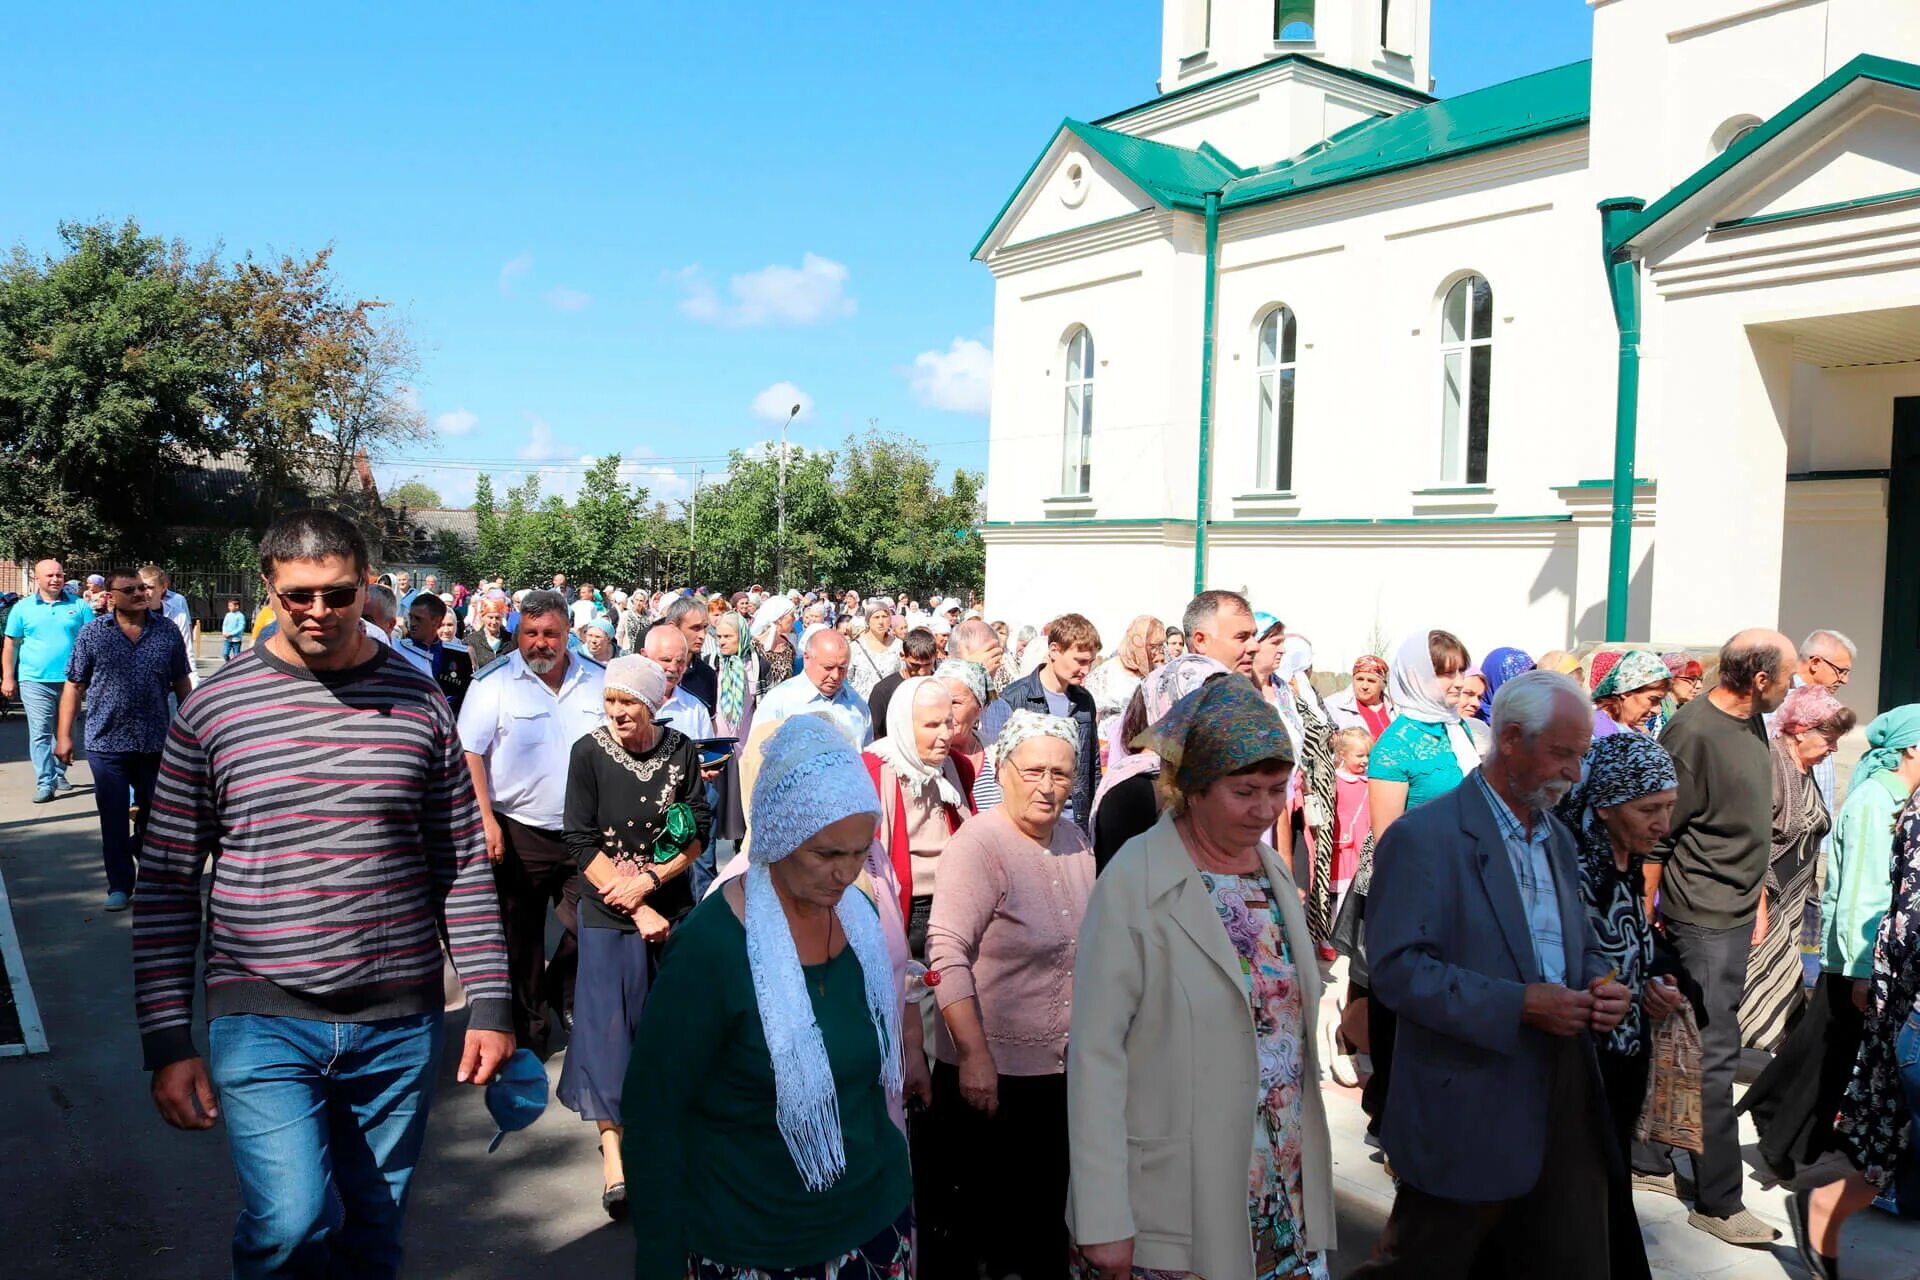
{"x": 1478, "y": 939}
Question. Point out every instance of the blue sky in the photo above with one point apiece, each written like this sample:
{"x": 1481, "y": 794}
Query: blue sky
{"x": 619, "y": 227}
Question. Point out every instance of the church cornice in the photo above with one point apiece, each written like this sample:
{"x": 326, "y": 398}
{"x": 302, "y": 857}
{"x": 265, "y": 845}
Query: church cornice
{"x": 1276, "y": 69}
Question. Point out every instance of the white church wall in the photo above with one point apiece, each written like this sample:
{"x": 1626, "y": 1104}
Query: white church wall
{"x": 1843, "y": 418}
{"x": 1365, "y": 270}
{"x": 1080, "y": 189}
{"x": 1669, "y": 74}
{"x": 1833, "y": 571}
{"x": 1110, "y": 575}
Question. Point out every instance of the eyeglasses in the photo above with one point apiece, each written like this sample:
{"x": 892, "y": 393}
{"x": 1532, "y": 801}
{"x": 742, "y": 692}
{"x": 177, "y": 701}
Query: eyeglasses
{"x": 1840, "y": 673}
{"x": 335, "y": 597}
{"x": 1034, "y": 777}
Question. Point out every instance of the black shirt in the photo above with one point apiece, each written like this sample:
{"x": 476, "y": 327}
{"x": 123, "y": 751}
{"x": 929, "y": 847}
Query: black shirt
{"x": 1128, "y": 809}
{"x": 877, "y": 702}
{"x": 617, "y": 804}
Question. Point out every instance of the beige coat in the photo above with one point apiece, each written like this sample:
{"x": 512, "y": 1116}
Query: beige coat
{"x": 1162, "y": 1078}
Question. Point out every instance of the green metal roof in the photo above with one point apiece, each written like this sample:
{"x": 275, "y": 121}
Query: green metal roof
{"x": 1181, "y": 177}
{"x": 1498, "y": 115}
{"x": 1865, "y": 67}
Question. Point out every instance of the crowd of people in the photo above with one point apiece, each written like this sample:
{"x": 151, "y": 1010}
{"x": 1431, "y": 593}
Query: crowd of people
{"x": 896, "y": 939}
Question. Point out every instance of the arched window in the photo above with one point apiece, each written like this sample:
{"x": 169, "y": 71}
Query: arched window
{"x": 1466, "y": 380}
{"x": 1279, "y": 339}
{"x": 1077, "y": 455}
{"x": 1293, "y": 20}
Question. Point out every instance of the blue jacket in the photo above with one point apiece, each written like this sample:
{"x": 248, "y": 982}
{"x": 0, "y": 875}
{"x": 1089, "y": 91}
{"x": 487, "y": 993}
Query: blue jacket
{"x": 1027, "y": 693}
{"x": 1450, "y": 953}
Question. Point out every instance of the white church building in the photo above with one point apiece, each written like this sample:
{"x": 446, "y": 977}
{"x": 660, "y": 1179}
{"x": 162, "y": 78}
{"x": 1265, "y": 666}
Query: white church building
{"x": 1387, "y": 361}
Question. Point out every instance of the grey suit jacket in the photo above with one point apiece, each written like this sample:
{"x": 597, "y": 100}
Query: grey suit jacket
{"x": 1450, "y": 953}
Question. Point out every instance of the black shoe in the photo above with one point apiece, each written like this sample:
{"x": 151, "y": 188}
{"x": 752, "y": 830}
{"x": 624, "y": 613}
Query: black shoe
{"x": 614, "y": 1200}
{"x": 1818, "y": 1265}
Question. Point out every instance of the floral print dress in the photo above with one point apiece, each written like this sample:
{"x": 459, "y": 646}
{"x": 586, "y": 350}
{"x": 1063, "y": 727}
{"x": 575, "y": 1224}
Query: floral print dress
{"x": 1873, "y": 1120}
{"x": 1275, "y": 1195}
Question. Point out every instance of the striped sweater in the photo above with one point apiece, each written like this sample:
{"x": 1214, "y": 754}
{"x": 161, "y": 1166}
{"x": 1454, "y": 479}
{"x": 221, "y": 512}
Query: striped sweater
{"x": 344, "y": 834}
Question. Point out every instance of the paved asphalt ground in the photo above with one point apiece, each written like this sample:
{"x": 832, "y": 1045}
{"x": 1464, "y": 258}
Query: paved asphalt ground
{"x": 93, "y": 1185}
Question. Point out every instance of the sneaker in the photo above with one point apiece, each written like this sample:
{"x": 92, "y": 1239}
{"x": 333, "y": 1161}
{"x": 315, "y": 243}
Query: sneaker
{"x": 1343, "y": 1070}
{"x": 68, "y": 786}
{"x": 1739, "y": 1228}
{"x": 43, "y": 796}
{"x": 1669, "y": 1183}
{"x": 117, "y": 901}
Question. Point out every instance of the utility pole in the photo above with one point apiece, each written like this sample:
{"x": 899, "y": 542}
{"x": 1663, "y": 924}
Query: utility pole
{"x": 780, "y": 561}
{"x": 693, "y": 531}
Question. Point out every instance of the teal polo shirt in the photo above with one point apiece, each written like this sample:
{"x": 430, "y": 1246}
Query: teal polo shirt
{"x": 43, "y": 635}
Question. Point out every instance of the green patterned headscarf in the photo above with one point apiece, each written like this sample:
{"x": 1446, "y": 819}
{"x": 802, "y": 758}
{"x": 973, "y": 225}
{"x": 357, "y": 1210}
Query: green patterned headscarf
{"x": 1219, "y": 729}
{"x": 1636, "y": 669}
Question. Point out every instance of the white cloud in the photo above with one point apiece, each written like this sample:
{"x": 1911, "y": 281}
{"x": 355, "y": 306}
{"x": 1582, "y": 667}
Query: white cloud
{"x": 540, "y": 445}
{"x": 777, "y": 401}
{"x": 456, "y": 422}
{"x": 812, "y": 293}
{"x": 562, "y": 298}
{"x": 512, "y": 270}
{"x": 959, "y": 379}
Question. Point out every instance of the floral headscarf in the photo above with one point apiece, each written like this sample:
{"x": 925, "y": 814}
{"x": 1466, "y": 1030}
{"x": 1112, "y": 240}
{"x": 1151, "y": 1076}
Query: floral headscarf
{"x": 731, "y": 668}
{"x": 1023, "y": 726}
{"x": 1499, "y": 667}
{"x": 1619, "y": 768}
{"x": 1636, "y": 669}
{"x": 1219, "y": 729}
{"x": 1683, "y": 665}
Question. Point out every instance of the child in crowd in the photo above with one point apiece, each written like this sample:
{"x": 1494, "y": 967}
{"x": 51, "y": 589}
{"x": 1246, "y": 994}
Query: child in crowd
{"x": 232, "y": 628}
{"x": 1351, "y": 821}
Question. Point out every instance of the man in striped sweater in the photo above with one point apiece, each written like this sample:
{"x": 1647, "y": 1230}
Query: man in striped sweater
{"x": 323, "y": 775}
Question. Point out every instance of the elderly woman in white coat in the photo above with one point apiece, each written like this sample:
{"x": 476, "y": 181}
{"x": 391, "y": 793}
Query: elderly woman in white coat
{"x": 1194, "y": 995}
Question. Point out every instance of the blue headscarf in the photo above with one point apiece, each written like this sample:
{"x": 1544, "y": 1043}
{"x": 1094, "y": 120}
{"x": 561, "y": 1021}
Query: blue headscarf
{"x": 1890, "y": 733}
{"x": 1499, "y": 667}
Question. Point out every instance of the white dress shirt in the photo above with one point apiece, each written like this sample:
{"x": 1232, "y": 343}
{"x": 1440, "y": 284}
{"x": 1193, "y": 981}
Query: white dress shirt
{"x": 797, "y": 696}
{"x": 686, "y": 713}
{"x": 526, "y": 731}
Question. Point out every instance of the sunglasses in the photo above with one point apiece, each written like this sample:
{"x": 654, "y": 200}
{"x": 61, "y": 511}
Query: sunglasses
{"x": 335, "y": 597}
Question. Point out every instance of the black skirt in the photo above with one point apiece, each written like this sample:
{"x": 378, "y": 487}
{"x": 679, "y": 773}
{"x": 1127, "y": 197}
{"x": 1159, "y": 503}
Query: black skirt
{"x": 1794, "y": 1101}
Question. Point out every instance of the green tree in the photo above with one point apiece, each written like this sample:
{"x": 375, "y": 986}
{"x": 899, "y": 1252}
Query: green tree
{"x": 415, "y": 495}
{"x": 110, "y": 366}
{"x": 903, "y": 530}
{"x": 608, "y": 519}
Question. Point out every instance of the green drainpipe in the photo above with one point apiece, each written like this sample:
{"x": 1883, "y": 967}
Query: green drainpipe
{"x": 1623, "y": 283}
{"x": 1206, "y": 399}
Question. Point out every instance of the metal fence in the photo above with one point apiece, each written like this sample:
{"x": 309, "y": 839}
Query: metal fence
{"x": 206, "y": 587}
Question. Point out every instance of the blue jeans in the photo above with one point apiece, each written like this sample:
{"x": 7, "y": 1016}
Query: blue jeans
{"x": 118, "y": 776}
{"x": 41, "y": 698}
{"x": 1902, "y": 1194}
{"x": 231, "y": 650}
{"x": 326, "y": 1121}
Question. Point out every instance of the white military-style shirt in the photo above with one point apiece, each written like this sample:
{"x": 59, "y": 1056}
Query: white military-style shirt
{"x": 526, "y": 731}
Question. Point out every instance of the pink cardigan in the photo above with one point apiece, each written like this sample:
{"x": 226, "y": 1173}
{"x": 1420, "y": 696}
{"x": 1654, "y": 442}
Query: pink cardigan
{"x": 1005, "y": 928}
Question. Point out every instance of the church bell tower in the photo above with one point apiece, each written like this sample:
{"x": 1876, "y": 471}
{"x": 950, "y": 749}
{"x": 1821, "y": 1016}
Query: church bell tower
{"x": 1202, "y": 39}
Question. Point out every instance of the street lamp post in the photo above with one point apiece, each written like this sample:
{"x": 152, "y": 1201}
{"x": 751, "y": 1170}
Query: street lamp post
{"x": 780, "y": 562}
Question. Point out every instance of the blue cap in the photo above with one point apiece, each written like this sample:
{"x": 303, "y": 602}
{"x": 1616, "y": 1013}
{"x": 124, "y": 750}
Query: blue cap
{"x": 517, "y": 1095}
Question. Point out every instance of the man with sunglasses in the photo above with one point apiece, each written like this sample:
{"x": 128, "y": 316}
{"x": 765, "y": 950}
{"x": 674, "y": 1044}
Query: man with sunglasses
{"x": 323, "y": 774}
{"x": 124, "y": 664}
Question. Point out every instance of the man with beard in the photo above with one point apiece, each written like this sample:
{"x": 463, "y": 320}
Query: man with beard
{"x": 1478, "y": 939}
{"x": 518, "y": 725}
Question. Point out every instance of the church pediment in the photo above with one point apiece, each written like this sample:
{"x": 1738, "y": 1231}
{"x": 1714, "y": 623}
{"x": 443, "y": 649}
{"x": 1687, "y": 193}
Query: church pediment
{"x": 1849, "y": 147}
{"x": 1089, "y": 175}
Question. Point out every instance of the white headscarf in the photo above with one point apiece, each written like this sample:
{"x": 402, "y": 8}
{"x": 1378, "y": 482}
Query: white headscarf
{"x": 1296, "y": 659}
{"x": 1415, "y": 689}
{"x": 809, "y": 779}
{"x": 777, "y": 609}
{"x": 898, "y": 751}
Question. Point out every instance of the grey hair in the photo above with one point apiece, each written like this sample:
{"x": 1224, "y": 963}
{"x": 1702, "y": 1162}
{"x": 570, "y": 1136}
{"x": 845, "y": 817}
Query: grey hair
{"x": 1206, "y": 606}
{"x": 1528, "y": 700}
{"x": 1828, "y": 634}
{"x": 683, "y": 606}
{"x": 537, "y": 604}
{"x": 382, "y": 608}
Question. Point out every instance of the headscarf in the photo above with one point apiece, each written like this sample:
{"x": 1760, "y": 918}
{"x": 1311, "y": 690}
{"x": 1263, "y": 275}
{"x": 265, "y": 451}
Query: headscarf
{"x": 1296, "y": 659}
{"x": 1496, "y": 669}
{"x": 1619, "y": 768}
{"x": 1368, "y": 662}
{"x": 809, "y": 779}
{"x": 1891, "y": 733}
{"x": 1683, "y": 665}
{"x": 1413, "y": 685}
{"x": 1220, "y": 728}
{"x": 1022, "y": 726}
{"x": 898, "y": 751}
{"x": 775, "y": 611}
{"x": 1636, "y": 669}
{"x": 640, "y": 676}
{"x": 1133, "y": 653}
{"x": 967, "y": 672}
{"x": 731, "y": 669}
{"x": 1158, "y": 692}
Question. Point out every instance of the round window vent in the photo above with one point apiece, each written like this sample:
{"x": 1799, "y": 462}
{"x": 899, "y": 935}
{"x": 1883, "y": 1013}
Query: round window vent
{"x": 1073, "y": 180}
